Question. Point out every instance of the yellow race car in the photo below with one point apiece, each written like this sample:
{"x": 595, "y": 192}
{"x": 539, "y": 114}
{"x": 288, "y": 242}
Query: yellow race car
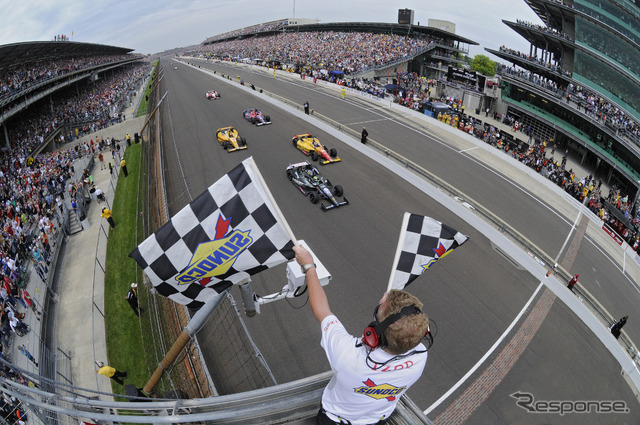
{"x": 230, "y": 140}
{"x": 310, "y": 146}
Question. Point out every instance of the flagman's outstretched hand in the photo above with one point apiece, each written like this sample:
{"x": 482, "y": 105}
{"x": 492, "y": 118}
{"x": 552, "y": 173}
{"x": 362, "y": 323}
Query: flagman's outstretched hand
{"x": 302, "y": 255}
{"x": 317, "y": 297}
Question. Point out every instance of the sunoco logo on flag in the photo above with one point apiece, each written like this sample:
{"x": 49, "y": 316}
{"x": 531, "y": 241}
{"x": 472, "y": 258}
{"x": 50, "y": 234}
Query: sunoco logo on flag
{"x": 216, "y": 257}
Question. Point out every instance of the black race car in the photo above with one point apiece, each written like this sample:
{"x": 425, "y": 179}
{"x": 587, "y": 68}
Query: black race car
{"x": 311, "y": 183}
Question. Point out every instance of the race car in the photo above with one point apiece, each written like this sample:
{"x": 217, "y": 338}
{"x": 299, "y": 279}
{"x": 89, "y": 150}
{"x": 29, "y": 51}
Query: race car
{"x": 255, "y": 116}
{"x": 212, "y": 94}
{"x": 310, "y": 146}
{"x": 310, "y": 182}
{"x": 230, "y": 140}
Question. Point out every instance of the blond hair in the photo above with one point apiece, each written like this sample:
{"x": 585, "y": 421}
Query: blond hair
{"x": 407, "y": 332}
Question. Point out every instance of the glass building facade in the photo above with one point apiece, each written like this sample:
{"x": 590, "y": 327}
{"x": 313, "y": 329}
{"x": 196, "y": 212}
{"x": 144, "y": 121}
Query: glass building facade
{"x": 596, "y": 46}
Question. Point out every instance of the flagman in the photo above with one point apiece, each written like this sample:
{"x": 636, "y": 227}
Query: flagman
{"x": 371, "y": 373}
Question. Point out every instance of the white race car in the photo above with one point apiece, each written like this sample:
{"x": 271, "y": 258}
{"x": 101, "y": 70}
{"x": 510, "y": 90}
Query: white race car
{"x": 212, "y": 94}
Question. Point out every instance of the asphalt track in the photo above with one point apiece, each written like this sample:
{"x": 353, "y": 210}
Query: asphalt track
{"x": 473, "y": 295}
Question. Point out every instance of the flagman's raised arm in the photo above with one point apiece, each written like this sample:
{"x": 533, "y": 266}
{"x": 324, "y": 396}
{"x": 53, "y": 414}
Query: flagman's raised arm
{"x": 317, "y": 296}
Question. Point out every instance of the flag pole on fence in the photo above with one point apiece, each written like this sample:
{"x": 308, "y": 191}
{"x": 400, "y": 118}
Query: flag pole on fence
{"x": 192, "y": 327}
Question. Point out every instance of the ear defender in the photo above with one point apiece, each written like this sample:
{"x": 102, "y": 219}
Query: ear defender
{"x": 370, "y": 337}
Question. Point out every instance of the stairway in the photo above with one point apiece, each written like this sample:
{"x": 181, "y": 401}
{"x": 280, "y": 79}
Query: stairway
{"x": 74, "y": 223}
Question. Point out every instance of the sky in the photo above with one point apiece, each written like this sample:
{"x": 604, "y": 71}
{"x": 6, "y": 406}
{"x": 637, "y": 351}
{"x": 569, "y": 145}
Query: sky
{"x": 152, "y": 27}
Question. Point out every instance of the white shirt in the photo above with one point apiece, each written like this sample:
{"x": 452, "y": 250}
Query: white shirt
{"x": 357, "y": 392}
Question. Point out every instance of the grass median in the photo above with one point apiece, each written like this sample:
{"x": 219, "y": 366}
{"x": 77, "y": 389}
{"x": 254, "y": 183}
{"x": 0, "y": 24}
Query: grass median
{"x": 137, "y": 344}
{"x": 123, "y": 331}
{"x": 144, "y": 102}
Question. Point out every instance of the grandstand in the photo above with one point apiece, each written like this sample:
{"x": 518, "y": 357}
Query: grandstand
{"x": 33, "y": 71}
{"x": 425, "y": 50}
{"x": 579, "y": 84}
{"x": 51, "y": 94}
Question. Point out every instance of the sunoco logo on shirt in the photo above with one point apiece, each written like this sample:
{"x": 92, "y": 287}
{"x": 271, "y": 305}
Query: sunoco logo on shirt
{"x": 379, "y": 391}
{"x": 215, "y": 258}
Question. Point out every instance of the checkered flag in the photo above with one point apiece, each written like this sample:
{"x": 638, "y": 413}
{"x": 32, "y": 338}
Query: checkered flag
{"x": 423, "y": 241}
{"x": 231, "y": 231}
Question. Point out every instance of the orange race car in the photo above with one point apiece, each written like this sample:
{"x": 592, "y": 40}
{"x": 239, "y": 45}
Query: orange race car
{"x": 230, "y": 140}
{"x": 310, "y": 146}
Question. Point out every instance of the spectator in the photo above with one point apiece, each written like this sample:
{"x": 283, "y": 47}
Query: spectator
{"x": 616, "y": 327}
{"x": 106, "y": 214}
{"x": 110, "y": 372}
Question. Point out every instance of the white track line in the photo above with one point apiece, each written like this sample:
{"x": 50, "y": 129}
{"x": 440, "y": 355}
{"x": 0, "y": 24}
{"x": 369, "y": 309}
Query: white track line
{"x": 486, "y": 355}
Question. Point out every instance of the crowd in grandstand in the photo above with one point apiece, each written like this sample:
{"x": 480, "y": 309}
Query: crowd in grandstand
{"x": 15, "y": 79}
{"x": 585, "y": 100}
{"x": 545, "y": 29}
{"x": 416, "y": 92}
{"x": 32, "y": 187}
{"x": 347, "y": 52}
{"x": 532, "y": 58}
{"x": 30, "y": 217}
{"x": 91, "y": 108}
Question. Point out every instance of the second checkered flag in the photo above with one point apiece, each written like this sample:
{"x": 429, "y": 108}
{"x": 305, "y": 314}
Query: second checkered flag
{"x": 423, "y": 241}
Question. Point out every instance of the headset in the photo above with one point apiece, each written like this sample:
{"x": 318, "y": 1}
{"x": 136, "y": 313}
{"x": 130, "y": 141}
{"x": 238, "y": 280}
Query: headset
{"x": 373, "y": 335}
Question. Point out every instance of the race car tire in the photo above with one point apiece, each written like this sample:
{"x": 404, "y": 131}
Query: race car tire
{"x": 289, "y": 175}
{"x": 253, "y": 120}
{"x": 295, "y": 142}
{"x": 314, "y": 156}
{"x": 338, "y": 191}
{"x": 333, "y": 152}
{"x": 225, "y": 145}
{"x": 243, "y": 141}
{"x": 267, "y": 118}
{"x": 314, "y": 198}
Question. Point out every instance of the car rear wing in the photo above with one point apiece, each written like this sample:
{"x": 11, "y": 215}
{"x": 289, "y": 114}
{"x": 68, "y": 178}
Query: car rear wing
{"x": 298, "y": 165}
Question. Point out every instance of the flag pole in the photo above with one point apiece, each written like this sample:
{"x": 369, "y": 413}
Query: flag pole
{"x": 249, "y": 162}
{"x": 405, "y": 220}
{"x": 191, "y": 328}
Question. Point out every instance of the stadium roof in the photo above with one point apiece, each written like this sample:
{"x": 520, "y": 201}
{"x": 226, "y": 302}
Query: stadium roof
{"x": 374, "y": 27}
{"x": 380, "y": 27}
{"x": 33, "y": 51}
